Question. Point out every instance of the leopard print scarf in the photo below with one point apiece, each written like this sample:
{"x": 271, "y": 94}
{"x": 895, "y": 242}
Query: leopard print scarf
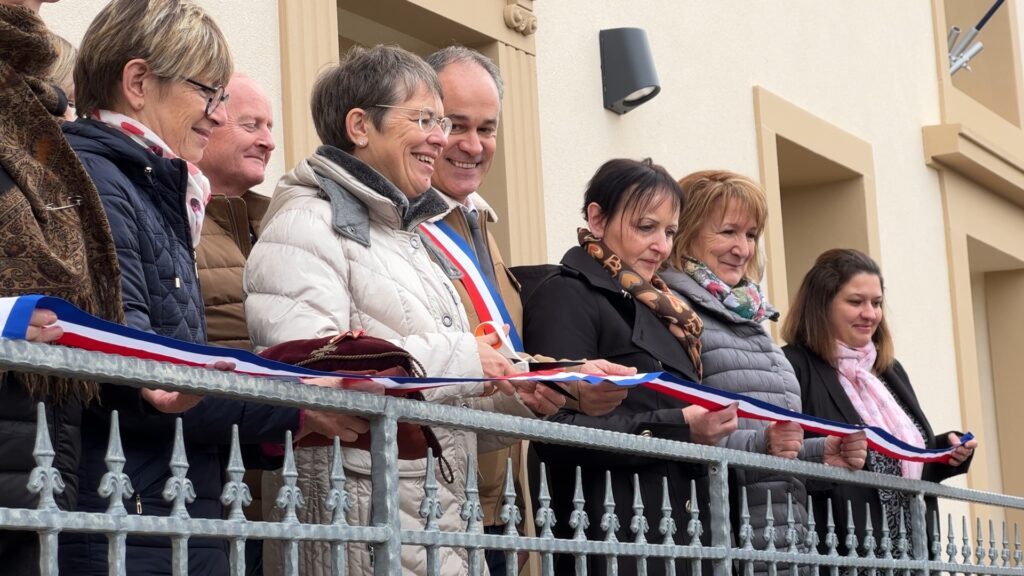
{"x": 677, "y": 315}
{"x": 54, "y": 236}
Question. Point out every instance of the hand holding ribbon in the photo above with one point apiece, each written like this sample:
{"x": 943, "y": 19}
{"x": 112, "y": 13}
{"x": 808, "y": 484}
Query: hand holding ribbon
{"x": 784, "y": 439}
{"x": 850, "y": 451}
{"x": 42, "y": 327}
{"x": 716, "y": 416}
{"x": 600, "y": 399}
{"x": 711, "y": 426}
{"x": 963, "y": 448}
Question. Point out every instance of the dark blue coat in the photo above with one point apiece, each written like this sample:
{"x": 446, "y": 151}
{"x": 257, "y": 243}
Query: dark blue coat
{"x": 144, "y": 198}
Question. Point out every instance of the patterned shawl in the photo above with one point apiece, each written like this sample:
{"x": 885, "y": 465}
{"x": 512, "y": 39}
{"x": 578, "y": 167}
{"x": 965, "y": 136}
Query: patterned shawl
{"x": 54, "y": 236}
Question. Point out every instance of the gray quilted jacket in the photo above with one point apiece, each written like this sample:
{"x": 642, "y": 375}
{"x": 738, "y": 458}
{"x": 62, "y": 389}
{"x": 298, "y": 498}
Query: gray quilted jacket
{"x": 740, "y": 356}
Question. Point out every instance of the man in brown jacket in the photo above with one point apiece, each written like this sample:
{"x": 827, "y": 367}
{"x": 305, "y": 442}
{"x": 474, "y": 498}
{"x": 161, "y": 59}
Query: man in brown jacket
{"x": 235, "y": 160}
{"x": 473, "y": 90}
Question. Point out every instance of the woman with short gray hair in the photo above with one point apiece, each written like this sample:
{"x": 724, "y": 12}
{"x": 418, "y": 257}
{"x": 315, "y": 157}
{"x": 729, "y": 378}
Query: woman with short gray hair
{"x": 340, "y": 250}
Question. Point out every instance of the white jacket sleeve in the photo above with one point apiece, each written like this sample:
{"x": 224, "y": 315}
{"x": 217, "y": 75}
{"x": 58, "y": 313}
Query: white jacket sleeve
{"x": 299, "y": 283}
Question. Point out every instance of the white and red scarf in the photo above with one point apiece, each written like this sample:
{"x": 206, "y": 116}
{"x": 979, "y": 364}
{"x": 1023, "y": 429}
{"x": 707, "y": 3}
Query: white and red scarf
{"x": 197, "y": 193}
{"x": 873, "y": 400}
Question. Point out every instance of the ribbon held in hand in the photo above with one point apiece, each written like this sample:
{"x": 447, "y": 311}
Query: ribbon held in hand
{"x": 82, "y": 330}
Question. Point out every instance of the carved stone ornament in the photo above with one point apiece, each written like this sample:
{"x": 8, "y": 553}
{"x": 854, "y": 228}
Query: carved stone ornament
{"x": 519, "y": 18}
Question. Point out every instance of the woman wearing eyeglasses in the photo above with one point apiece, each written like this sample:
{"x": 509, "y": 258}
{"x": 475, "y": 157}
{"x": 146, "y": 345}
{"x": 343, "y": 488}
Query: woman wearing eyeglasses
{"x": 149, "y": 87}
{"x": 340, "y": 250}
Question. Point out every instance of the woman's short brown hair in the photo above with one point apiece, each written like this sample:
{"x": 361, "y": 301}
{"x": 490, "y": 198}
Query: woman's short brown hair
{"x": 808, "y": 323}
{"x": 367, "y": 78}
{"x": 708, "y": 193}
{"x": 176, "y": 38}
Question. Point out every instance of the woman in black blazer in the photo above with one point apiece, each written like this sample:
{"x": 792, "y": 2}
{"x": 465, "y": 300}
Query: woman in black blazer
{"x": 606, "y": 301}
{"x": 842, "y": 352}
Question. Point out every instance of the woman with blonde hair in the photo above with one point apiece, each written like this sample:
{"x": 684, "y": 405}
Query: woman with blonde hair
{"x": 150, "y": 85}
{"x": 60, "y": 74}
{"x": 715, "y": 266}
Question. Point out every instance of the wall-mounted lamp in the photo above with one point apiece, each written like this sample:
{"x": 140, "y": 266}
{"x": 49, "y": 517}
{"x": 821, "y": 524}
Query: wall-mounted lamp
{"x": 627, "y": 69}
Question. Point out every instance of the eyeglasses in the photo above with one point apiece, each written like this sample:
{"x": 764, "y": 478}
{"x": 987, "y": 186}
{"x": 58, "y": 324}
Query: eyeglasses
{"x": 215, "y": 95}
{"x": 426, "y": 119}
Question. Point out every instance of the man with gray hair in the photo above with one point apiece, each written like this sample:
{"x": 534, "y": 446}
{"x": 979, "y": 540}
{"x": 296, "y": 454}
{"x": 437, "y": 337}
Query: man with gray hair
{"x": 473, "y": 91}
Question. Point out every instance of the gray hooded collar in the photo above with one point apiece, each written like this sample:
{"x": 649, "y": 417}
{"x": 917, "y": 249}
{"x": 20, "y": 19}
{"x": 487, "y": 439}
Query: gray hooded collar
{"x": 350, "y": 200}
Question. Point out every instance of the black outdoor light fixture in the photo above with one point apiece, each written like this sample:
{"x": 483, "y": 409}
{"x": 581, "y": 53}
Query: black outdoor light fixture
{"x": 627, "y": 69}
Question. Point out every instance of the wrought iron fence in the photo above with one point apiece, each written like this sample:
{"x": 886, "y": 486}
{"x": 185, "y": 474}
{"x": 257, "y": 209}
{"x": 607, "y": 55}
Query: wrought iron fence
{"x": 726, "y": 550}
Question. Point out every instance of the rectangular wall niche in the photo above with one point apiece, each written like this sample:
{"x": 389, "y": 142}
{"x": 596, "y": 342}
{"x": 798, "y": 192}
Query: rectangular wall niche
{"x": 822, "y": 208}
{"x": 819, "y": 181}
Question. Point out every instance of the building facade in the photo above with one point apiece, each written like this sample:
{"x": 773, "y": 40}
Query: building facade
{"x": 846, "y": 113}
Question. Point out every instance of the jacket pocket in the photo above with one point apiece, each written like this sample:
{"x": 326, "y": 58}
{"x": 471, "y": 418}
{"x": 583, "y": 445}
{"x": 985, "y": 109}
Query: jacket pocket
{"x": 358, "y": 461}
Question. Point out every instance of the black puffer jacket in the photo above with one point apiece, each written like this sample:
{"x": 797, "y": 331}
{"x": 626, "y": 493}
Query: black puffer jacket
{"x": 18, "y": 415}
{"x": 18, "y": 423}
{"x": 144, "y": 198}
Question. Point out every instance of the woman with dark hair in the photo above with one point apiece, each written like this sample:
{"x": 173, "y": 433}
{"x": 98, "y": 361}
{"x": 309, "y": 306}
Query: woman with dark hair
{"x": 842, "y": 352}
{"x": 607, "y": 301}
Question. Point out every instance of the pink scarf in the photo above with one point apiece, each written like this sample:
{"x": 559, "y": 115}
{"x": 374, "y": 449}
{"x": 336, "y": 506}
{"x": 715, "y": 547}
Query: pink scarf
{"x": 873, "y": 401}
{"x": 197, "y": 194}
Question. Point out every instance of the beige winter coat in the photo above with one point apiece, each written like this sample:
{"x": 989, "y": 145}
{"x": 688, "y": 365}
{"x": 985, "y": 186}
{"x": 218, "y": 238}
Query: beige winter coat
{"x": 336, "y": 254}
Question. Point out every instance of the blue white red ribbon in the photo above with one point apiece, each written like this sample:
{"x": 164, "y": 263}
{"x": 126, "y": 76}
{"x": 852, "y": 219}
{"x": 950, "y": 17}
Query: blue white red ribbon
{"x": 82, "y": 330}
{"x": 486, "y": 299}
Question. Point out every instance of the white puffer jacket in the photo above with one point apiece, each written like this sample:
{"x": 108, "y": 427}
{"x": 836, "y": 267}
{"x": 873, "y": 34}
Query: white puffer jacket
{"x": 336, "y": 253}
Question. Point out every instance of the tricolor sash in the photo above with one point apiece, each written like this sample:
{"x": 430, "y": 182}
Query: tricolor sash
{"x": 486, "y": 299}
{"x": 82, "y": 330}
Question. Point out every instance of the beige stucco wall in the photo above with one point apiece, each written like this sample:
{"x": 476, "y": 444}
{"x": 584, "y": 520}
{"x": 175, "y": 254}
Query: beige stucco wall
{"x": 868, "y": 68}
{"x": 840, "y": 61}
{"x": 250, "y": 27}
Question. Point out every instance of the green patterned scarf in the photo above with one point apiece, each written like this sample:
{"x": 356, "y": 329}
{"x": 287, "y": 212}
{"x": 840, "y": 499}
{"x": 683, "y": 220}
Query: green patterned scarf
{"x": 745, "y": 299}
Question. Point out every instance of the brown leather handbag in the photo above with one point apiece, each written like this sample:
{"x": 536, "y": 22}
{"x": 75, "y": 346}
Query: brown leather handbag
{"x": 354, "y": 352}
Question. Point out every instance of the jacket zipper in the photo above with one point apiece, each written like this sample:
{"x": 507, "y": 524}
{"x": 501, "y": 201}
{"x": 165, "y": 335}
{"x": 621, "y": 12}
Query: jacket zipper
{"x": 195, "y": 257}
{"x": 177, "y": 284}
{"x": 138, "y": 504}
